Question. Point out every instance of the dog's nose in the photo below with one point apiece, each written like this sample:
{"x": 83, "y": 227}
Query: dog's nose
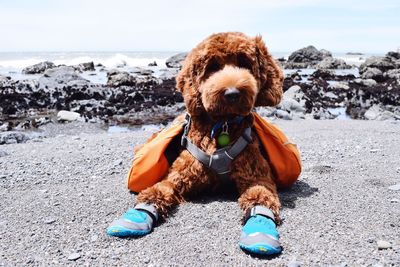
{"x": 232, "y": 94}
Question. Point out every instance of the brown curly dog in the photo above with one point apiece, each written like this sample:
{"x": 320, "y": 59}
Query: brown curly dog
{"x": 225, "y": 76}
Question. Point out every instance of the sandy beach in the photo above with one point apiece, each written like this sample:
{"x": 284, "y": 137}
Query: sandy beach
{"x": 59, "y": 193}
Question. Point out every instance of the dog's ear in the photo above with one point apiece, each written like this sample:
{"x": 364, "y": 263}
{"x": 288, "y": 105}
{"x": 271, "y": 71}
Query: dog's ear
{"x": 183, "y": 76}
{"x": 270, "y": 76}
{"x": 187, "y": 84}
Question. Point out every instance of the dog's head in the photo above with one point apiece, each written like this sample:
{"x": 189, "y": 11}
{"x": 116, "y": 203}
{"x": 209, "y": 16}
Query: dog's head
{"x": 228, "y": 74}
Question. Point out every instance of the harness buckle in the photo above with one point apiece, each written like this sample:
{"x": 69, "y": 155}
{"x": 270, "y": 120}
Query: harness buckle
{"x": 184, "y": 141}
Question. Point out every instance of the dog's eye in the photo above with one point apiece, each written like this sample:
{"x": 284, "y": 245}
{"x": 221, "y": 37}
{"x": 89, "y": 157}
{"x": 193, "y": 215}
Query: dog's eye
{"x": 213, "y": 66}
{"x": 244, "y": 62}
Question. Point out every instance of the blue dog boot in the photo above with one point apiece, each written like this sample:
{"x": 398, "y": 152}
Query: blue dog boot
{"x": 259, "y": 234}
{"x": 135, "y": 222}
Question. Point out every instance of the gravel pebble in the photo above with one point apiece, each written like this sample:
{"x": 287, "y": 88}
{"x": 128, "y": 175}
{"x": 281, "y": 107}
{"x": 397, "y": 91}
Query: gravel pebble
{"x": 49, "y": 221}
{"x": 294, "y": 264}
{"x": 395, "y": 187}
{"x": 74, "y": 256}
{"x": 382, "y": 244}
{"x": 94, "y": 238}
{"x": 118, "y": 162}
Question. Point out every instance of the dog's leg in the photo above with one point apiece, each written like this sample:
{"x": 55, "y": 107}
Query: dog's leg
{"x": 163, "y": 195}
{"x": 252, "y": 175}
{"x": 263, "y": 192}
{"x": 185, "y": 174}
{"x": 259, "y": 202}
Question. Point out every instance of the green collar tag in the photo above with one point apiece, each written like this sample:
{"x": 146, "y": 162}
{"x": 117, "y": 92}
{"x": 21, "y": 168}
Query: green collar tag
{"x": 224, "y": 139}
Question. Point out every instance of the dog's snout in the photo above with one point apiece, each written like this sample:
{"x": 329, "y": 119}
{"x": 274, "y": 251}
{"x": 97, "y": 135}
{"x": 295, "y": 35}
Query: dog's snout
{"x": 232, "y": 94}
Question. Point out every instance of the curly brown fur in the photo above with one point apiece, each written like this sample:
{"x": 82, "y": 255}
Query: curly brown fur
{"x": 223, "y": 61}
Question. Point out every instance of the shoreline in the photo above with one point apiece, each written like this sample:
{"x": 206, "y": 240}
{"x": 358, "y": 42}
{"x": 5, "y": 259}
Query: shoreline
{"x": 316, "y": 86}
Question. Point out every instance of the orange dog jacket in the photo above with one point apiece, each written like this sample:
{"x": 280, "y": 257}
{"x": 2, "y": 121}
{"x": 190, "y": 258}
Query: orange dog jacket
{"x": 152, "y": 161}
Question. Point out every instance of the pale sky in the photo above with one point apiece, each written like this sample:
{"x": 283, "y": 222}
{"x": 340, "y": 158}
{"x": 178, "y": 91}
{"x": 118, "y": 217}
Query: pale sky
{"x": 178, "y": 25}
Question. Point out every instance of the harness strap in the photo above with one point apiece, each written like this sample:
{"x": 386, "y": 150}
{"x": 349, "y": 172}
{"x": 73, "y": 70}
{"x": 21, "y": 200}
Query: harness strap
{"x": 149, "y": 209}
{"x": 260, "y": 210}
{"x": 220, "y": 160}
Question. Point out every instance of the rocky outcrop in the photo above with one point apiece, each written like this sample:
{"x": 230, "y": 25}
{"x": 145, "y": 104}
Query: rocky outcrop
{"x": 62, "y": 88}
{"x": 88, "y": 66}
{"x": 306, "y": 57}
{"x": 381, "y": 63}
{"x": 393, "y": 55}
{"x": 4, "y": 80}
{"x": 117, "y": 78}
{"x": 136, "y": 77}
{"x": 38, "y": 68}
{"x": 176, "y": 60}
{"x": 372, "y": 73}
{"x": 332, "y": 63}
{"x": 361, "y": 98}
{"x": 137, "y": 95}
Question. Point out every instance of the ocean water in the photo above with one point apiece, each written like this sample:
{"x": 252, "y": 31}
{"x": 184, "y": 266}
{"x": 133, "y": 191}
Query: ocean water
{"x": 12, "y": 63}
{"x": 16, "y": 61}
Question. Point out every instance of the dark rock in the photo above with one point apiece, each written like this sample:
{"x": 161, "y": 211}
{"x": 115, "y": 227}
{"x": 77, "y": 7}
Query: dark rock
{"x": 117, "y": 78}
{"x": 176, "y": 60}
{"x": 373, "y": 73}
{"x": 323, "y": 114}
{"x": 306, "y": 57}
{"x": 332, "y": 63}
{"x": 296, "y": 76}
{"x": 88, "y": 66}
{"x": 13, "y": 137}
{"x": 325, "y": 53}
{"x": 287, "y": 83}
{"x": 323, "y": 74}
{"x": 363, "y": 94}
{"x": 381, "y": 63}
{"x": 394, "y": 55}
{"x": 61, "y": 76}
{"x": 4, "y": 80}
{"x": 38, "y": 68}
{"x": 152, "y": 64}
{"x": 62, "y": 88}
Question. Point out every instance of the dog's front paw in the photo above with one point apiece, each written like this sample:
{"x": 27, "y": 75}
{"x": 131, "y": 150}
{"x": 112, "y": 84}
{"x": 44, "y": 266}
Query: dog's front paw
{"x": 132, "y": 223}
{"x": 260, "y": 236}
